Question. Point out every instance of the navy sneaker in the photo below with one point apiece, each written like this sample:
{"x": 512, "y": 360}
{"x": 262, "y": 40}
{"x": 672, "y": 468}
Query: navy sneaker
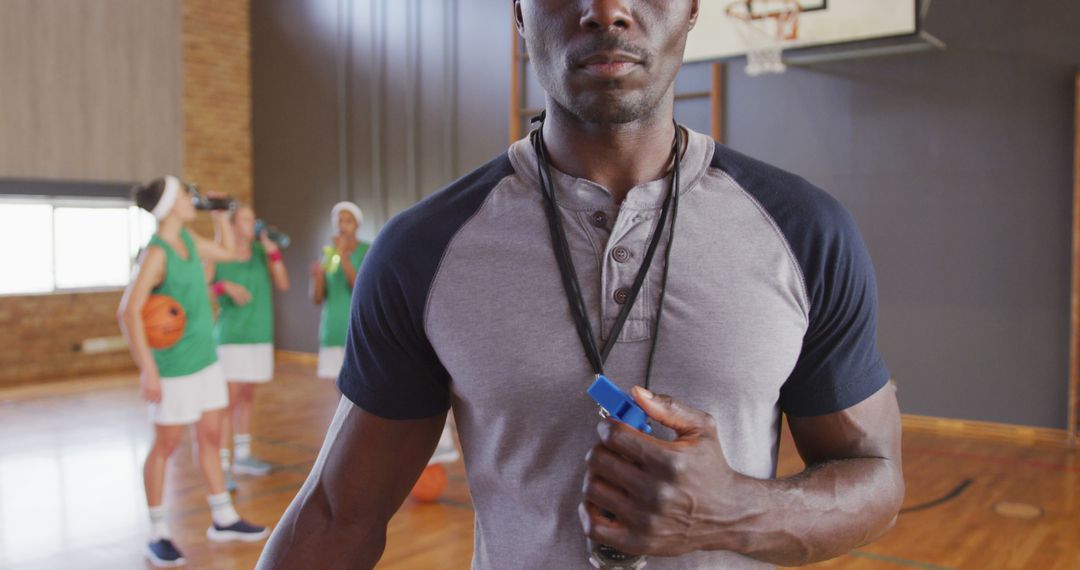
{"x": 164, "y": 554}
{"x": 240, "y": 530}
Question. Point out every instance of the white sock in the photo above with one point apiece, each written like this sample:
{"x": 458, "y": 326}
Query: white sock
{"x": 225, "y": 459}
{"x": 159, "y": 528}
{"x": 221, "y": 509}
{"x": 242, "y": 445}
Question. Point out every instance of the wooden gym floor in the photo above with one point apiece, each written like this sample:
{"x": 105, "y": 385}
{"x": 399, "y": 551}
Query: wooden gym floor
{"x": 71, "y": 490}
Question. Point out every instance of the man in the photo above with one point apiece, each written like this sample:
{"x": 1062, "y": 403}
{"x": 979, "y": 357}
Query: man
{"x": 768, "y": 301}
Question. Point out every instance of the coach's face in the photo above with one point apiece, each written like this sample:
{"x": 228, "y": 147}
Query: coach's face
{"x": 606, "y": 61}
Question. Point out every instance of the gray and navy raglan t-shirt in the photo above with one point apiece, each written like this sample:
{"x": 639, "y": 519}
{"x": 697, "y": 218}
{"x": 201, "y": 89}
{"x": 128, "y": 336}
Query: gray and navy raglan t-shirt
{"x": 770, "y": 308}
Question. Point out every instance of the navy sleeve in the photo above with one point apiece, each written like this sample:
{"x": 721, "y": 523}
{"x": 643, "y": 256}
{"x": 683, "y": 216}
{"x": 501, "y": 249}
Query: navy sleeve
{"x": 391, "y": 368}
{"x": 839, "y": 365}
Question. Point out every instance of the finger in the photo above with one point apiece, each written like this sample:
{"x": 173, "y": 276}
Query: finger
{"x": 618, "y": 470}
{"x": 603, "y": 530}
{"x": 611, "y": 499}
{"x": 668, "y": 411}
{"x": 629, "y": 442}
{"x": 592, "y": 516}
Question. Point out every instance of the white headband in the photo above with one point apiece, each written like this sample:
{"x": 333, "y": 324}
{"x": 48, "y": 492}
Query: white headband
{"x": 350, "y": 208}
{"x": 168, "y": 198}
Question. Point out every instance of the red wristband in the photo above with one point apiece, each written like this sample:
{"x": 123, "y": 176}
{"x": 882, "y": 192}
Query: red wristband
{"x": 218, "y": 288}
{"x": 275, "y": 256}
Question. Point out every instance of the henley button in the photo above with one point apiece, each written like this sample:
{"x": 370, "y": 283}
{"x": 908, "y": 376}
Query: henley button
{"x": 599, "y": 219}
{"x": 620, "y": 254}
{"x": 622, "y": 295}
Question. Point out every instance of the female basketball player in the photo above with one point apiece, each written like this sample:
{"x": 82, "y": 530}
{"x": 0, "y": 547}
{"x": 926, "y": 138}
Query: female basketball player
{"x": 332, "y": 282}
{"x": 245, "y": 332}
{"x": 183, "y": 383}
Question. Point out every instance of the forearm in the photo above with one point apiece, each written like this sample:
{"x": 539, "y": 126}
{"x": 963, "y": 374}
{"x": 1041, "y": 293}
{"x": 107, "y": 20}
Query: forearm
{"x": 823, "y": 512}
{"x": 349, "y": 271}
{"x": 316, "y": 291}
{"x": 223, "y": 233}
{"x": 279, "y": 275}
{"x": 309, "y": 531}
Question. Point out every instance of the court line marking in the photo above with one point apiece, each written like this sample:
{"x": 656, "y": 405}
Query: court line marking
{"x": 948, "y": 497}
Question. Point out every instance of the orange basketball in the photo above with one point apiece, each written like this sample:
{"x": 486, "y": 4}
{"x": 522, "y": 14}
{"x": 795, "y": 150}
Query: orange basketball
{"x": 163, "y": 320}
{"x": 431, "y": 484}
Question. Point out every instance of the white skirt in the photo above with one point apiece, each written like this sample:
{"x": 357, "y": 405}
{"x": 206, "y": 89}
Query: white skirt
{"x": 249, "y": 363}
{"x": 185, "y": 398}
{"x": 330, "y": 360}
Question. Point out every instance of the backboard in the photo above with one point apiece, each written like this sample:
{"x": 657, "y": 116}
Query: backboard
{"x": 876, "y": 24}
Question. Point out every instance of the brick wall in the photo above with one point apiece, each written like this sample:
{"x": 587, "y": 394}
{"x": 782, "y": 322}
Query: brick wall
{"x": 217, "y": 95}
{"x": 38, "y": 333}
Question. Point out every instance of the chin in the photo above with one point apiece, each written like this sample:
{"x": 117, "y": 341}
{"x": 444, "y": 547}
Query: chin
{"x": 610, "y": 107}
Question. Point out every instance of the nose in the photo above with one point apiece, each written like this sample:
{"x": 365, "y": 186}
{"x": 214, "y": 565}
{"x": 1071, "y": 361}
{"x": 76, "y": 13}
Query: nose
{"x": 606, "y": 15}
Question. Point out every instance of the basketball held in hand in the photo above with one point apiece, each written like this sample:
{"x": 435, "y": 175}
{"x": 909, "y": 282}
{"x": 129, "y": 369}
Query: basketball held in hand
{"x": 163, "y": 320}
{"x": 431, "y": 484}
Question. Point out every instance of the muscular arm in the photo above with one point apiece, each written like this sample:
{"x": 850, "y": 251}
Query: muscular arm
{"x": 848, "y": 495}
{"x": 365, "y": 470}
{"x": 670, "y": 498}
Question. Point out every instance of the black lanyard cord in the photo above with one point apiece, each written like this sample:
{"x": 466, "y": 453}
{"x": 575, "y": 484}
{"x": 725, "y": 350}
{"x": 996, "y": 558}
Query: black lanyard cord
{"x": 675, "y": 182}
{"x": 572, "y": 285}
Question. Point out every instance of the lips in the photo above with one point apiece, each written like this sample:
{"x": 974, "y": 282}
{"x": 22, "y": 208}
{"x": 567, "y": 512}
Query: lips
{"x": 610, "y": 64}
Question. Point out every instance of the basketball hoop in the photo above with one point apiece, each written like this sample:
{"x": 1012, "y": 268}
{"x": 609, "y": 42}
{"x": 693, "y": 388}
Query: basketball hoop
{"x": 764, "y": 26}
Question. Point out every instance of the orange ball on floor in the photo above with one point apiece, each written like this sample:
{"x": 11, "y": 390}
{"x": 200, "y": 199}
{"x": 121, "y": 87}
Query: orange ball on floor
{"x": 431, "y": 484}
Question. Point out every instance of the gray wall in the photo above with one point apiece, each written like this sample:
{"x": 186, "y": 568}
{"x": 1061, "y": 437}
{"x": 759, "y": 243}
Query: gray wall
{"x": 956, "y": 165}
{"x": 378, "y": 101}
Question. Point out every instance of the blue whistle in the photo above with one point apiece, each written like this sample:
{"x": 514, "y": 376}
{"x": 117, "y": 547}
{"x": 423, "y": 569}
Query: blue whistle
{"x": 619, "y": 404}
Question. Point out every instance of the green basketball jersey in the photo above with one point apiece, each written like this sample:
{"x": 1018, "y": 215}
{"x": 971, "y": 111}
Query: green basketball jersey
{"x": 252, "y": 323}
{"x": 185, "y": 281}
{"x": 338, "y": 298}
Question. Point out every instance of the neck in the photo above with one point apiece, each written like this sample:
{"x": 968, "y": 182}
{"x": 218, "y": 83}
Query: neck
{"x": 169, "y": 228}
{"x": 617, "y": 157}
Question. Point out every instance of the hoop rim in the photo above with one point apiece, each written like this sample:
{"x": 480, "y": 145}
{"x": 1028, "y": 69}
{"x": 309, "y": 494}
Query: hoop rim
{"x": 750, "y": 16}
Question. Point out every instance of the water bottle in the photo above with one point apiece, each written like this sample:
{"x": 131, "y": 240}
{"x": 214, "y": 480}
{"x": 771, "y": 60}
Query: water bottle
{"x": 277, "y": 236}
{"x": 204, "y": 202}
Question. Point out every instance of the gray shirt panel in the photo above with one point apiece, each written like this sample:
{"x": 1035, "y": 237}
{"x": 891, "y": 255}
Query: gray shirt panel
{"x": 735, "y": 316}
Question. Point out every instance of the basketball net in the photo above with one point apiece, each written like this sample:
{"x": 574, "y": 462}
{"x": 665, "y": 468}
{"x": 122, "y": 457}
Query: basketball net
{"x": 764, "y": 26}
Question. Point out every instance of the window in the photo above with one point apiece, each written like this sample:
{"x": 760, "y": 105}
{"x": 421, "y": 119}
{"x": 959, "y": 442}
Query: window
{"x": 56, "y": 244}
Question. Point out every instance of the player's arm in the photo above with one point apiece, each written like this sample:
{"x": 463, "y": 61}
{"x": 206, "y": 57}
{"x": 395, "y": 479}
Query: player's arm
{"x": 274, "y": 263}
{"x": 348, "y": 269}
{"x": 149, "y": 273}
{"x": 317, "y": 286}
{"x": 364, "y": 472}
{"x": 223, "y": 247}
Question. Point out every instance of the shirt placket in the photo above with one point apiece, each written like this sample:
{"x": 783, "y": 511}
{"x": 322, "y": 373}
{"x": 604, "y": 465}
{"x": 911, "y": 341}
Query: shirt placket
{"x": 622, "y": 259}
